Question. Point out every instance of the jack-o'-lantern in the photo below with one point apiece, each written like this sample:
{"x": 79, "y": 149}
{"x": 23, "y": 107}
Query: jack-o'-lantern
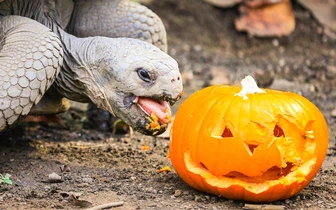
{"x": 247, "y": 143}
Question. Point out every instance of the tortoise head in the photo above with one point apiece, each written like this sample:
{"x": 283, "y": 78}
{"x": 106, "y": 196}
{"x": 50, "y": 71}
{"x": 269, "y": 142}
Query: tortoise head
{"x": 137, "y": 82}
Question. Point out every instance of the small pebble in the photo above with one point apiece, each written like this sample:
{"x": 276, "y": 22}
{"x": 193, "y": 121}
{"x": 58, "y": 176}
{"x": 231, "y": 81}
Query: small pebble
{"x": 308, "y": 204}
{"x": 281, "y": 49}
{"x": 197, "y": 48}
{"x": 9, "y": 195}
{"x": 65, "y": 168}
{"x": 53, "y": 177}
{"x": 333, "y": 112}
{"x": 282, "y": 62}
{"x": 312, "y": 88}
{"x": 264, "y": 78}
{"x": 177, "y": 193}
{"x": 275, "y": 42}
{"x": 87, "y": 180}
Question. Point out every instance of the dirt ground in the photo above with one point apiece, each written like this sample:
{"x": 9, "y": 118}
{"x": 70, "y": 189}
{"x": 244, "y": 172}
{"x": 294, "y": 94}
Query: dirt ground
{"x": 99, "y": 167}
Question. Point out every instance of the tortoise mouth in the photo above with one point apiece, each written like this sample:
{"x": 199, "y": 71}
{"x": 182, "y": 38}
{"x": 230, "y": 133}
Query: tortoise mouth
{"x": 157, "y": 110}
{"x": 150, "y": 115}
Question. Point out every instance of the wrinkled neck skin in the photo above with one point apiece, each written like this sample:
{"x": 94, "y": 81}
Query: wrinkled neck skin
{"x": 50, "y": 13}
{"x": 80, "y": 77}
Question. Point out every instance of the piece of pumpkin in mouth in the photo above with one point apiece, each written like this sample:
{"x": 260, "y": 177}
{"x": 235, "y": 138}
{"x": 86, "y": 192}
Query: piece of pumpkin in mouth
{"x": 157, "y": 109}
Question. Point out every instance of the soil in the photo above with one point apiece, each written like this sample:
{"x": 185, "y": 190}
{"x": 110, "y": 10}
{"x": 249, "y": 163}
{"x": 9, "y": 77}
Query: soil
{"x": 99, "y": 167}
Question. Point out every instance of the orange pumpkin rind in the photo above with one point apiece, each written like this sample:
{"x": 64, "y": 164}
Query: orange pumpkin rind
{"x": 165, "y": 169}
{"x": 154, "y": 123}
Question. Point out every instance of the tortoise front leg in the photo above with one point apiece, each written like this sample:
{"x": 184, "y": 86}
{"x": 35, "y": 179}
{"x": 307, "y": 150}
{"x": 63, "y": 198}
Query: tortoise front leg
{"x": 31, "y": 56}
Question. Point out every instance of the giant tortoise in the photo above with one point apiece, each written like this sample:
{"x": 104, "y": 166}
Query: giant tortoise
{"x": 40, "y": 58}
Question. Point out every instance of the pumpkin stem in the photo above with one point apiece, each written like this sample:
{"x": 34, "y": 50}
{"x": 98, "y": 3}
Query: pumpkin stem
{"x": 249, "y": 86}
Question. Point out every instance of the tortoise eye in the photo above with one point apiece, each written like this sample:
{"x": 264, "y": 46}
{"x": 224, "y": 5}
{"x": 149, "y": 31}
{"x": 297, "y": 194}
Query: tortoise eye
{"x": 144, "y": 75}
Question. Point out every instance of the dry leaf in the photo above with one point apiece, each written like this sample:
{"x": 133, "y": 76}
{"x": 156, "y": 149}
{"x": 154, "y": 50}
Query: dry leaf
{"x": 53, "y": 118}
{"x": 267, "y": 20}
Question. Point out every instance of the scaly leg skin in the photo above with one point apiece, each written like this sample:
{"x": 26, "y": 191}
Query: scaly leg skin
{"x": 31, "y": 56}
{"x": 115, "y": 18}
{"x": 48, "y": 108}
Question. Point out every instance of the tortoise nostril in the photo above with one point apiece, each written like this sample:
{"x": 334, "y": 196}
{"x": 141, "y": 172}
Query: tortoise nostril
{"x": 173, "y": 80}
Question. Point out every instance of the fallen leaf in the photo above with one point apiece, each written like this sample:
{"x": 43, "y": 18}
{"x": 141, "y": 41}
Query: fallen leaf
{"x": 6, "y": 179}
{"x": 267, "y": 20}
{"x": 53, "y": 118}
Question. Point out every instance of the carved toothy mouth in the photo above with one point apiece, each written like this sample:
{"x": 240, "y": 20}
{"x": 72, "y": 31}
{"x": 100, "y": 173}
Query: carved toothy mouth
{"x": 287, "y": 175}
{"x": 273, "y": 173}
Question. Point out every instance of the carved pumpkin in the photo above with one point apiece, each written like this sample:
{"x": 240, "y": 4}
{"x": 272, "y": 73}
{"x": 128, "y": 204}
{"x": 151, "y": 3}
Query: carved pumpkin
{"x": 254, "y": 145}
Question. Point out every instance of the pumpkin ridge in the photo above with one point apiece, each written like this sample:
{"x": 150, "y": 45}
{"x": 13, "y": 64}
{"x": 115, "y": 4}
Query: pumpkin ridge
{"x": 203, "y": 122}
{"x": 228, "y": 110}
{"x": 316, "y": 109}
{"x": 247, "y": 142}
{"x": 208, "y": 119}
{"x": 204, "y": 100}
{"x": 303, "y": 105}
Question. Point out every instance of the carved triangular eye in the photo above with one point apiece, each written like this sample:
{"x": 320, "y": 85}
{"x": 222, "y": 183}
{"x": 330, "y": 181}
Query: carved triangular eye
{"x": 278, "y": 132}
{"x": 252, "y": 147}
{"x": 227, "y": 133}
